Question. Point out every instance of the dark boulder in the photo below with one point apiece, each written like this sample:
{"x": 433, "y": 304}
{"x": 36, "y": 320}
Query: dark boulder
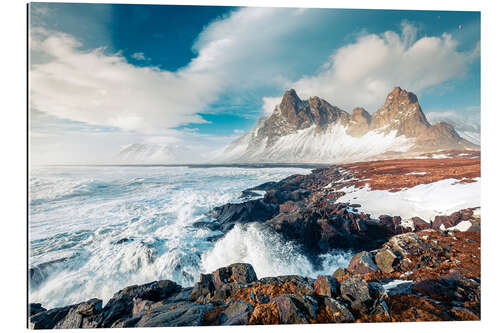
{"x": 237, "y": 313}
{"x": 337, "y": 312}
{"x": 48, "y": 319}
{"x": 356, "y": 291}
{"x": 288, "y": 310}
{"x": 184, "y": 314}
{"x": 249, "y": 211}
{"x": 34, "y": 308}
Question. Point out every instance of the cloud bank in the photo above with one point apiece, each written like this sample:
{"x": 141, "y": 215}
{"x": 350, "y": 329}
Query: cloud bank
{"x": 362, "y": 73}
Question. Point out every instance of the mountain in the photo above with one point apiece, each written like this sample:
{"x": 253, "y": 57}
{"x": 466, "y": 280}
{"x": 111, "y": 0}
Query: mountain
{"x": 315, "y": 131}
{"x": 468, "y": 128}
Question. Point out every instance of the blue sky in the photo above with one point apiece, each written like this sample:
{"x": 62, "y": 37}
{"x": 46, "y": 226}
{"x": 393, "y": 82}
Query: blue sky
{"x": 103, "y": 76}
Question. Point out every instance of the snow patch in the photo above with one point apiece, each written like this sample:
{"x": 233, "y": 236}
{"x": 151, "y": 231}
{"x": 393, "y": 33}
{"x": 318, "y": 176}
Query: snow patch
{"x": 462, "y": 226}
{"x": 425, "y": 201}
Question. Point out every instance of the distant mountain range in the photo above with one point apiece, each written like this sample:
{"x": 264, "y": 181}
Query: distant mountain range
{"x": 313, "y": 130}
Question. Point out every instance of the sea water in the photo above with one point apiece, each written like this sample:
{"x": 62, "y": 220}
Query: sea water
{"x": 94, "y": 230}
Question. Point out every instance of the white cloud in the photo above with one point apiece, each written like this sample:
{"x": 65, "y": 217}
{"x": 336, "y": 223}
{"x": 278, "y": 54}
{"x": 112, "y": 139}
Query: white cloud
{"x": 103, "y": 89}
{"x": 139, "y": 56}
{"x": 269, "y": 103}
{"x": 362, "y": 73}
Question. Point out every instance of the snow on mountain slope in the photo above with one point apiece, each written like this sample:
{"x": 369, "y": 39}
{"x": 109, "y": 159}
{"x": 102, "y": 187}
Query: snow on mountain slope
{"x": 309, "y": 145}
{"x": 314, "y": 131}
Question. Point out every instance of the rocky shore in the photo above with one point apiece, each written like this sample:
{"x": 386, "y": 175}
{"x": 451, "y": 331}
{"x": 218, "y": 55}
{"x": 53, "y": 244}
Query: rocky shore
{"x": 405, "y": 270}
{"x": 424, "y": 276}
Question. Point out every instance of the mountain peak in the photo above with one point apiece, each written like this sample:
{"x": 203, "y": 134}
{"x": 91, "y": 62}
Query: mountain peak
{"x": 398, "y": 94}
{"x": 401, "y": 112}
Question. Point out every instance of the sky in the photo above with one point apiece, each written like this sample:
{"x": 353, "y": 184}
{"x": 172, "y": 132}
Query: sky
{"x": 195, "y": 78}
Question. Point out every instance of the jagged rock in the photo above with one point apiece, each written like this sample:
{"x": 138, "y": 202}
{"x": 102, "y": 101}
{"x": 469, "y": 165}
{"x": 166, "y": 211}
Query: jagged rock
{"x": 203, "y": 288}
{"x": 339, "y": 272}
{"x": 248, "y": 211}
{"x": 419, "y": 224}
{"x": 337, "y": 311}
{"x": 356, "y": 291}
{"x": 222, "y": 283}
{"x": 385, "y": 259}
{"x": 239, "y": 273}
{"x": 48, "y": 319}
{"x": 304, "y": 286}
{"x": 289, "y": 312}
{"x": 72, "y": 319}
{"x": 326, "y": 286}
{"x": 380, "y": 308}
{"x": 362, "y": 263}
{"x": 237, "y": 313}
{"x": 121, "y": 304}
{"x": 90, "y": 307}
{"x": 186, "y": 314}
{"x": 35, "y": 308}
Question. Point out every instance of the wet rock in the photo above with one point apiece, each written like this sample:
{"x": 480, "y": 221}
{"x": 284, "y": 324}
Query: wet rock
{"x": 380, "y": 308}
{"x": 203, "y": 288}
{"x": 48, "y": 319}
{"x": 362, "y": 263}
{"x": 337, "y": 312}
{"x": 153, "y": 291}
{"x": 239, "y": 273}
{"x": 339, "y": 272}
{"x": 72, "y": 320}
{"x": 186, "y": 314}
{"x": 288, "y": 311}
{"x": 249, "y": 211}
{"x": 385, "y": 259}
{"x": 237, "y": 313}
{"x": 356, "y": 291}
{"x": 35, "y": 308}
{"x": 304, "y": 286}
{"x": 90, "y": 307}
{"x": 121, "y": 304}
{"x": 326, "y": 286}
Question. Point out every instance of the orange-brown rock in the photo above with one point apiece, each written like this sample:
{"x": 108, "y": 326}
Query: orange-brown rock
{"x": 359, "y": 123}
{"x": 401, "y": 112}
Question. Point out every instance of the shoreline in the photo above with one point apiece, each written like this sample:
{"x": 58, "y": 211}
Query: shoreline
{"x": 303, "y": 209}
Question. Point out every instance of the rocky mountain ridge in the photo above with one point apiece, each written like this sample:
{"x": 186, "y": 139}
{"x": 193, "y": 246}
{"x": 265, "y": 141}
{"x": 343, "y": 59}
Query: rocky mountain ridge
{"x": 400, "y": 125}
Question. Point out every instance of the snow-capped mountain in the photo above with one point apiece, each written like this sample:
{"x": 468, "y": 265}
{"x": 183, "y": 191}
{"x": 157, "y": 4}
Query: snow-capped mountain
{"x": 468, "y": 128}
{"x": 315, "y": 131}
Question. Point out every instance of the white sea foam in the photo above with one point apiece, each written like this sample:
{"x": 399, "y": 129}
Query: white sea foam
{"x": 268, "y": 253}
{"x": 110, "y": 227}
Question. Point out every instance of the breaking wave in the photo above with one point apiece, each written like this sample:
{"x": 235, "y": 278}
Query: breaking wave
{"x": 96, "y": 230}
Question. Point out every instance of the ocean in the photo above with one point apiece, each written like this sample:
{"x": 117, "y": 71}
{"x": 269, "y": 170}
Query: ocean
{"x": 94, "y": 230}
